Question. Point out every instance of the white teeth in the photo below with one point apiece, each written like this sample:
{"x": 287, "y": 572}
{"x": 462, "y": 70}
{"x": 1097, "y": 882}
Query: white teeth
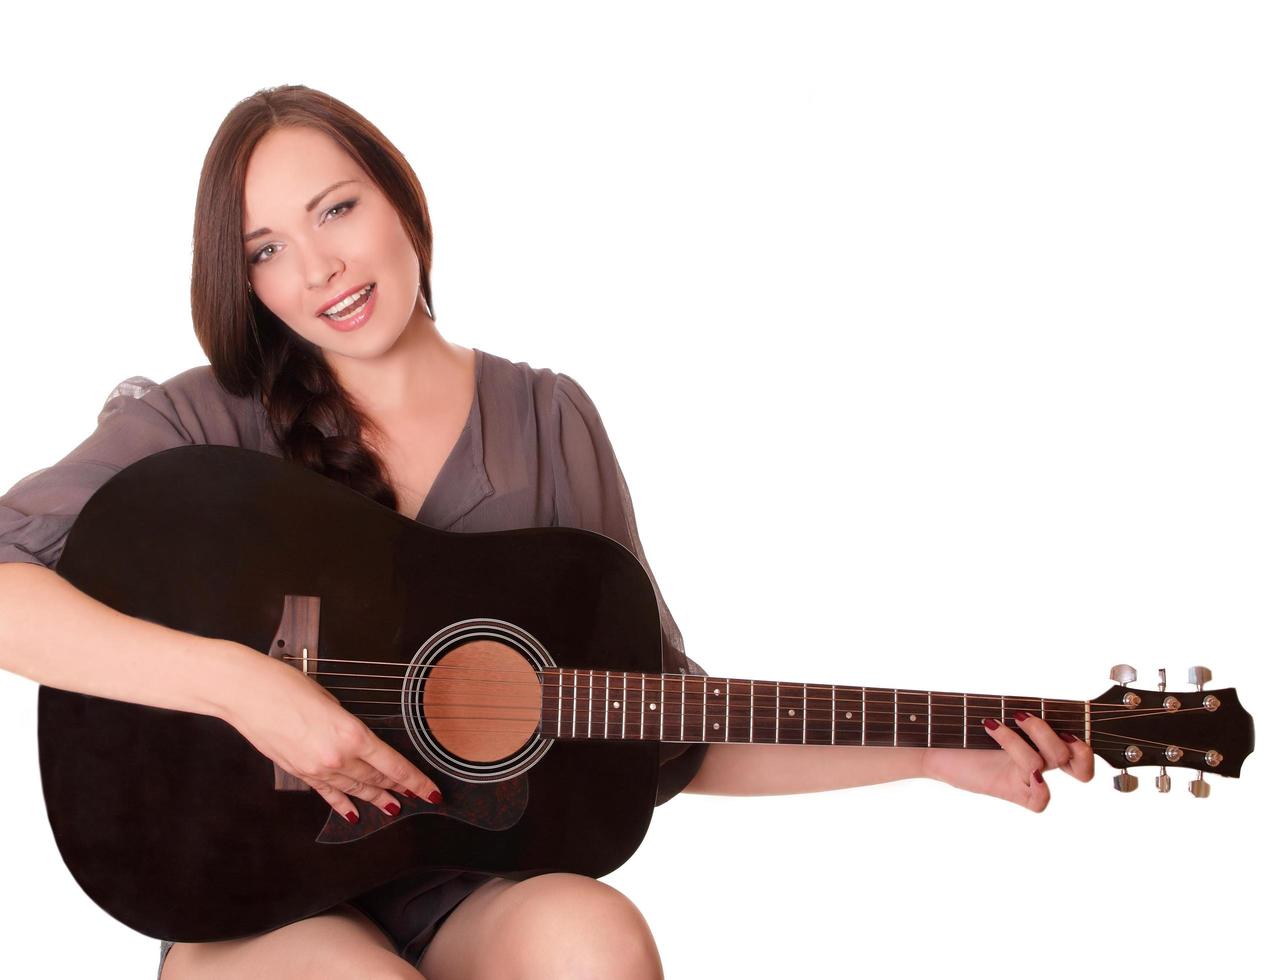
{"x": 349, "y": 300}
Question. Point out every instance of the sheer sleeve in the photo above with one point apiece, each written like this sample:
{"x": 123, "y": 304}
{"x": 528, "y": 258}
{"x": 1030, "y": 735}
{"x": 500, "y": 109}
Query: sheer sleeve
{"x": 139, "y": 418}
{"x": 591, "y": 493}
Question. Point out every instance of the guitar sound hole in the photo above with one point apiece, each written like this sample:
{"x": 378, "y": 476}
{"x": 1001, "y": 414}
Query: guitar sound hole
{"x": 482, "y": 701}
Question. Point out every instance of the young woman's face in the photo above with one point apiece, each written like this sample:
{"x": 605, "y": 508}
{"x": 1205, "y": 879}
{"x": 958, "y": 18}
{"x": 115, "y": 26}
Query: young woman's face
{"x": 324, "y": 241}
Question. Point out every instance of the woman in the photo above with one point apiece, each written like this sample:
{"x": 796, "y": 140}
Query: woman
{"x": 311, "y": 298}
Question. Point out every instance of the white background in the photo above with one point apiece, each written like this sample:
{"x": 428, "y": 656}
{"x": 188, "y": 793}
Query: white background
{"x": 936, "y": 342}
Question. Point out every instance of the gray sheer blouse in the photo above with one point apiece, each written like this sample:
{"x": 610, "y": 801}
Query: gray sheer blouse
{"x": 533, "y": 453}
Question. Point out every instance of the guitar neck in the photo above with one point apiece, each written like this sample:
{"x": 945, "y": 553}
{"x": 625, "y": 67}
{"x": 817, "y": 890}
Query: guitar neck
{"x": 604, "y": 704}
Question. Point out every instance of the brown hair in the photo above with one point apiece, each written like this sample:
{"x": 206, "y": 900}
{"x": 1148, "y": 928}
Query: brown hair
{"x": 251, "y": 351}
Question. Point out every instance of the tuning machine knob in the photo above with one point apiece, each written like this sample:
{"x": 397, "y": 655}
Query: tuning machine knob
{"x": 1163, "y": 782}
{"x": 1125, "y": 782}
{"x": 1199, "y": 676}
{"x": 1123, "y": 673}
{"x": 1162, "y": 679}
{"x": 1199, "y": 786}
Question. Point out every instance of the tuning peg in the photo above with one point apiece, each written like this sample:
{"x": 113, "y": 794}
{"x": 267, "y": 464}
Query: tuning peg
{"x": 1124, "y": 782}
{"x": 1123, "y": 673}
{"x": 1162, "y": 678}
{"x": 1199, "y": 676}
{"x": 1163, "y": 782}
{"x": 1199, "y": 787}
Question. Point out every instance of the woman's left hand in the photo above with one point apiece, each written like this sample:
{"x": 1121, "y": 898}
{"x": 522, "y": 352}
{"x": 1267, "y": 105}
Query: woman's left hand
{"x": 1016, "y": 772}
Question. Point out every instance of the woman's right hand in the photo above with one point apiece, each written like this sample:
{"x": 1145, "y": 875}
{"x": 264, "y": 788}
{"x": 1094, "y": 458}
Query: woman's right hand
{"x": 299, "y": 725}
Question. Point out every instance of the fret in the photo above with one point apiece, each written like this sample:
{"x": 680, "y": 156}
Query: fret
{"x": 863, "y": 716}
{"x": 559, "y": 698}
{"x": 765, "y": 713}
{"x": 752, "y": 711}
{"x": 982, "y": 707}
{"x": 948, "y": 728}
{"x": 790, "y": 715}
{"x": 834, "y": 715}
{"x": 895, "y": 715}
{"x": 643, "y": 703}
{"x": 727, "y": 709}
{"x": 804, "y": 727}
{"x": 625, "y": 701}
{"x": 683, "y": 700}
{"x": 717, "y": 709}
{"x": 913, "y": 718}
{"x": 881, "y": 716}
{"x": 574, "y": 703}
{"x": 590, "y": 700}
{"x": 607, "y": 701}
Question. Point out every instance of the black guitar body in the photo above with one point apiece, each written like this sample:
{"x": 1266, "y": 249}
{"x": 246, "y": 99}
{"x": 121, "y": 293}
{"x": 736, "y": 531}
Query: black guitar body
{"x": 172, "y": 821}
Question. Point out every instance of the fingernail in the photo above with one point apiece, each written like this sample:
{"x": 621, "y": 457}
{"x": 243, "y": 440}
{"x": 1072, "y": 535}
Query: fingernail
{"x": 392, "y": 809}
{"x": 410, "y": 794}
{"x": 1068, "y": 737}
{"x": 1020, "y": 715}
{"x": 435, "y": 796}
{"x": 352, "y": 817}
{"x": 1038, "y": 774}
{"x": 990, "y": 723}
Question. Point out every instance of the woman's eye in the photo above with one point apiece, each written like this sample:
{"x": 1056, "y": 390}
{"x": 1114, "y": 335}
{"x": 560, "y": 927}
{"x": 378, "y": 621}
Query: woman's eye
{"x": 260, "y": 255}
{"x": 345, "y": 204}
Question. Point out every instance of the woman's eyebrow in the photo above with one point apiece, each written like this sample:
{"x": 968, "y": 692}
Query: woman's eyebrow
{"x": 310, "y": 206}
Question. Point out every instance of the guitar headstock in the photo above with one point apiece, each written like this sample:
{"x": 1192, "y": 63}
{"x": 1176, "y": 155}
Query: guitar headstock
{"x": 1209, "y": 731}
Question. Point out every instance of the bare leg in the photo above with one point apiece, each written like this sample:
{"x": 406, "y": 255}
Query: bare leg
{"x": 554, "y": 926}
{"x": 339, "y": 944}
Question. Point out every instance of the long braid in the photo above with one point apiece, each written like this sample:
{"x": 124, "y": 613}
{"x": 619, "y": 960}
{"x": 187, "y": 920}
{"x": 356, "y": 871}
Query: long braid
{"x": 316, "y": 424}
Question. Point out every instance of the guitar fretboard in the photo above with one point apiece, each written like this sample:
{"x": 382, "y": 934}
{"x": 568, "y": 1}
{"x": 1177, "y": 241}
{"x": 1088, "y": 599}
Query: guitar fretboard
{"x": 599, "y": 704}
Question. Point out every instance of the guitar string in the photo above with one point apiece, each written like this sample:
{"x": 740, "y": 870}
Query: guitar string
{"x": 873, "y": 708}
{"x": 816, "y": 696}
{"x": 1108, "y": 742}
{"x": 1105, "y": 737}
{"x": 522, "y": 674}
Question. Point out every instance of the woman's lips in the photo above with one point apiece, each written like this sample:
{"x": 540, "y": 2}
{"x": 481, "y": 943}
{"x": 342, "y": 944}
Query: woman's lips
{"x": 360, "y": 318}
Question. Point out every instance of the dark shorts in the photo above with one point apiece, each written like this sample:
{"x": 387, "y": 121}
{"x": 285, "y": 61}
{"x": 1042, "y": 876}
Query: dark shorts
{"x": 409, "y": 910}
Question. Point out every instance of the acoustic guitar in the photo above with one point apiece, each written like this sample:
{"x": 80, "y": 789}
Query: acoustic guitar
{"x": 520, "y": 669}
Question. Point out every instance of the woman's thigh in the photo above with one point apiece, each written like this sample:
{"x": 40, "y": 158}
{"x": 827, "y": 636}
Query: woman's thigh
{"x": 560, "y": 926}
{"x": 339, "y": 944}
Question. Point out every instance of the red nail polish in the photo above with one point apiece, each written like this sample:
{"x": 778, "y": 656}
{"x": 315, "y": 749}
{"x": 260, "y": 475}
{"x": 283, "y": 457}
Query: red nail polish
{"x": 410, "y": 794}
{"x": 1020, "y": 715}
{"x": 435, "y": 796}
{"x": 990, "y": 723}
{"x": 392, "y": 809}
{"x": 1038, "y": 774}
{"x": 352, "y": 817}
{"x": 1068, "y": 737}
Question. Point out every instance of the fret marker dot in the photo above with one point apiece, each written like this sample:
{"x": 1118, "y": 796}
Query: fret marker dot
{"x": 652, "y": 707}
{"x": 616, "y": 704}
{"x": 716, "y": 692}
{"x": 848, "y": 715}
{"x": 792, "y": 712}
{"x": 914, "y": 717}
{"x": 716, "y": 726}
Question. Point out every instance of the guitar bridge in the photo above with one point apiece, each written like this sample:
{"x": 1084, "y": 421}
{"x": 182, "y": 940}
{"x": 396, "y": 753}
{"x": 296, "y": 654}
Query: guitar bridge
{"x": 296, "y": 642}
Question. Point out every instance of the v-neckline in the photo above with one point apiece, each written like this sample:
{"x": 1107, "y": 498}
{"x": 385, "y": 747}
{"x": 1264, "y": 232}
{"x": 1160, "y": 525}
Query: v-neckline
{"x": 471, "y": 437}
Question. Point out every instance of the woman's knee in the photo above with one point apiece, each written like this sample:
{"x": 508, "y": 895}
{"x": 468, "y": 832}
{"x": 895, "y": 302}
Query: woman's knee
{"x": 335, "y": 945}
{"x": 568, "y": 926}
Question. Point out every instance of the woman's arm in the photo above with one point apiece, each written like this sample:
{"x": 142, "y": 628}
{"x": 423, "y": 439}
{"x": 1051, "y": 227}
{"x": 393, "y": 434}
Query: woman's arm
{"x": 1013, "y": 771}
{"x": 57, "y": 635}
{"x": 734, "y": 769}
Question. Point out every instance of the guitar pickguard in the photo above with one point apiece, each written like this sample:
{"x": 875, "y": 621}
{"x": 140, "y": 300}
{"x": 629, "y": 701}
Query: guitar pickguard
{"x": 489, "y": 806}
